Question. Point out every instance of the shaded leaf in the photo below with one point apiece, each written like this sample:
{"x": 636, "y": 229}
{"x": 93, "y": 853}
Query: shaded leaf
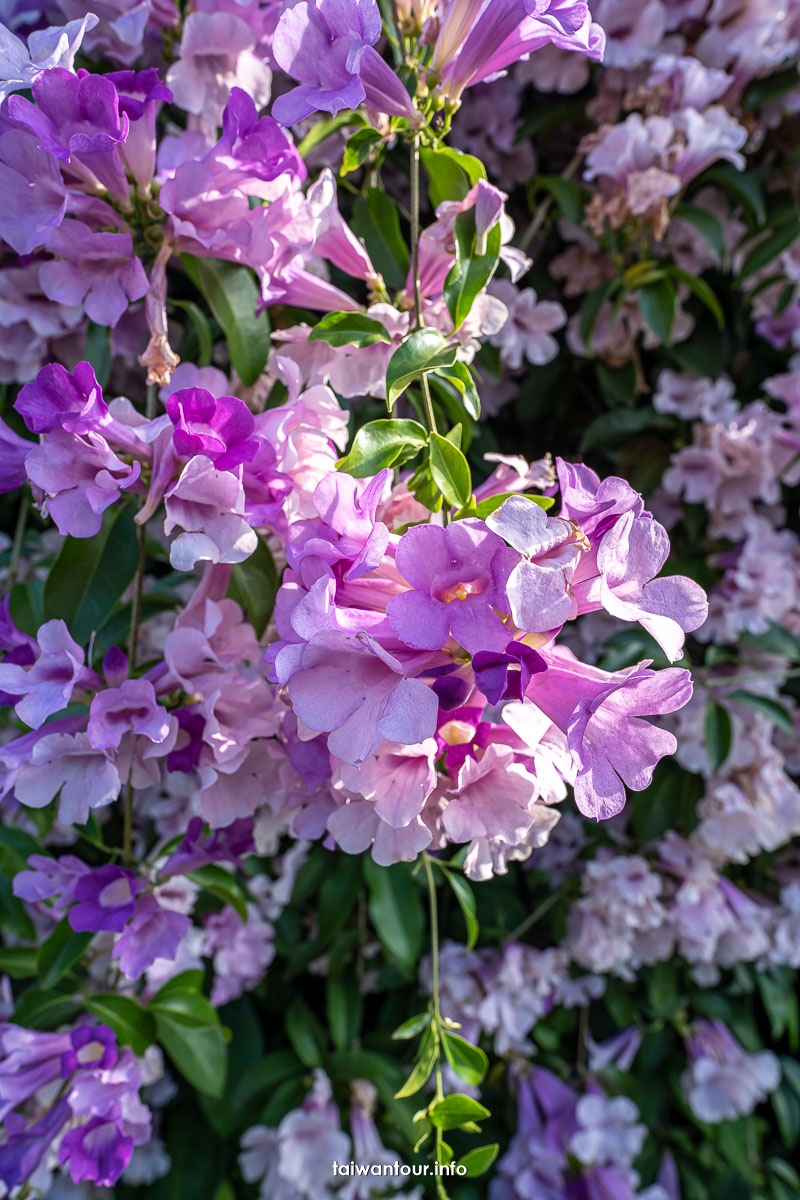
{"x": 233, "y": 297}
{"x": 425, "y": 350}
{"x": 349, "y": 329}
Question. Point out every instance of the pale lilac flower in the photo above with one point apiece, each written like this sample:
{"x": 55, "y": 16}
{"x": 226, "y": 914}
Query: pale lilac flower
{"x": 129, "y": 709}
{"x": 352, "y": 689}
{"x": 32, "y": 192}
{"x": 494, "y": 797}
{"x": 458, "y": 577}
{"x": 397, "y": 779}
{"x": 217, "y": 54}
{"x": 97, "y": 270}
{"x": 241, "y": 951}
{"x": 724, "y": 1082}
{"x": 80, "y": 477}
{"x": 50, "y": 878}
{"x": 47, "y": 686}
{"x": 153, "y": 932}
{"x": 65, "y": 765}
{"x": 608, "y": 1132}
{"x": 527, "y": 334}
{"x": 209, "y": 505}
{"x": 55, "y": 46}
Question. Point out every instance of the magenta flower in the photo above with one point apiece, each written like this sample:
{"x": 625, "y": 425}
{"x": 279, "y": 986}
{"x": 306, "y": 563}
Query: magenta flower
{"x": 59, "y": 399}
{"x": 601, "y": 715}
{"x": 13, "y": 452}
{"x": 328, "y": 46}
{"x": 353, "y": 690}
{"x": 77, "y": 119}
{"x": 220, "y": 428}
{"x": 458, "y": 578}
{"x": 141, "y": 94}
{"x": 505, "y": 675}
{"x": 105, "y": 899}
{"x": 26, "y": 1145}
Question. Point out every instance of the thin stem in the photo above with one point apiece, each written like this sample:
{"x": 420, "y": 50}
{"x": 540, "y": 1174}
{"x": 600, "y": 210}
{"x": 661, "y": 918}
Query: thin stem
{"x": 430, "y": 416}
{"x": 537, "y": 220}
{"x": 136, "y": 602}
{"x": 415, "y": 230}
{"x": 437, "y": 1015}
{"x": 19, "y": 537}
{"x": 535, "y": 916}
{"x": 127, "y": 825}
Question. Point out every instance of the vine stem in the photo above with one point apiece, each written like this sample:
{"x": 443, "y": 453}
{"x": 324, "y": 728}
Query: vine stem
{"x": 133, "y": 640}
{"x": 19, "y": 537}
{"x": 437, "y": 1014}
{"x": 430, "y": 416}
{"x": 535, "y": 916}
{"x": 537, "y": 220}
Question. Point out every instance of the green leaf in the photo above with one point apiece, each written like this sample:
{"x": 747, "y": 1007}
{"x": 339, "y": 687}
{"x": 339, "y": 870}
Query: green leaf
{"x": 344, "y": 1008}
{"x": 780, "y": 1003}
{"x": 657, "y": 304}
{"x": 786, "y": 1107}
{"x": 456, "y": 1110}
{"x": 744, "y": 185}
{"x": 187, "y": 1026}
{"x": 421, "y": 1071}
{"x": 179, "y": 985}
{"x": 776, "y": 640}
{"x": 59, "y": 952}
{"x": 202, "y": 329}
{"x": 380, "y": 444}
{"x": 39, "y": 1009}
{"x": 567, "y": 193}
{"x": 90, "y": 574}
{"x": 769, "y": 708}
{"x": 466, "y": 902}
{"x": 486, "y": 507}
{"x": 377, "y": 222}
{"x": 222, "y": 884}
{"x": 451, "y": 173}
{"x": 718, "y": 734}
{"x": 460, "y": 377}
{"x": 469, "y": 1062}
{"x": 703, "y": 293}
{"x": 349, "y": 329}
{"x": 233, "y": 297}
{"x": 20, "y": 962}
{"x": 450, "y": 471}
{"x": 707, "y": 225}
{"x": 479, "y": 1160}
{"x": 396, "y": 912}
{"x": 474, "y": 266}
{"x": 325, "y": 129}
{"x": 133, "y": 1025}
{"x": 254, "y": 586}
{"x": 768, "y": 249}
{"x": 591, "y": 307}
{"x": 308, "y": 1038}
{"x": 425, "y": 350}
{"x": 410, "y": 1028}
{"x": 359, "y": 148}
{"x": 98, "y": 351}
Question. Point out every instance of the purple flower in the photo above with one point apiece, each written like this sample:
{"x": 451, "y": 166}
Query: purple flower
{"x": 29, "y": 1060}
{"x": 55, "y": 46}
{"x": 80, "y": 478}
{"x": 105, "y": 899}
{"x": 33, "y": 198}
{"x": 154, "y": 932}
{"x": 198, "y": 850}
{"x": 328, "y": 46}
{"x": 78, "y": 120}
{"x": 218, "y": 427}
{"x": 505, "y": 675}
{"x": 47, "y": 686}
{"x": 347, "y": 534}
{"x": 96, "y": 1151}
{"x": 458, "y": 578}
{"x": 352, "y": 689}
{"x": 58, "y": 399}
{"x": 98, "y": 270}
{"x": 24, "y": 1148}
{"x": 91, "y": 1047}
{"x": 493, "y": 798}
{"x": 601, "y": 716}
{"x": 141, "y": 94}
{"x": 13, "y": 452}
